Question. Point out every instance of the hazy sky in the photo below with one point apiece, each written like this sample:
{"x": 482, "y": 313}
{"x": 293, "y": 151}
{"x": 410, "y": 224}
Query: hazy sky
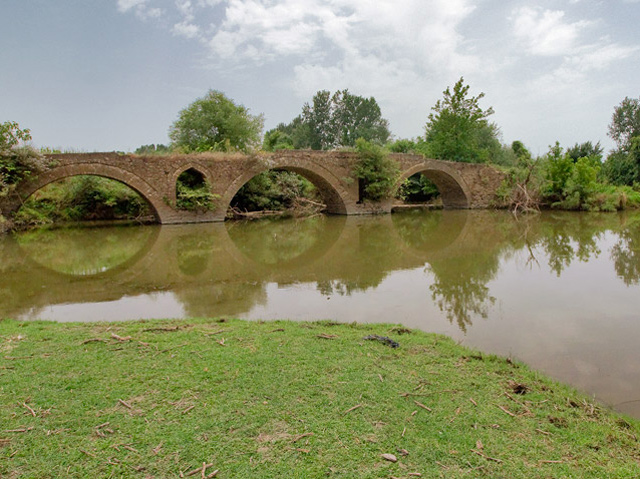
{"x": 113, "y": 74}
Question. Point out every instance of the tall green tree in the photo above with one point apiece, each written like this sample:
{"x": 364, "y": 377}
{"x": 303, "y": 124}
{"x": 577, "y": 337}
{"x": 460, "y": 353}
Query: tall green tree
{"x": 331, "y": 121}
{"x": 458, "y": 130}
{"x": 357, "y": 117}
{"x": 623, "y": 164}
{"x": 215, "y": 123}
{"x": 625, "y": 123}
{"x": 586, "y": 150}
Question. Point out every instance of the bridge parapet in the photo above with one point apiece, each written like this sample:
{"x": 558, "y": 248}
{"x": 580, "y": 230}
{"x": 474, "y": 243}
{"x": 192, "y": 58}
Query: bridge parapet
{"x": 462, "y": 185}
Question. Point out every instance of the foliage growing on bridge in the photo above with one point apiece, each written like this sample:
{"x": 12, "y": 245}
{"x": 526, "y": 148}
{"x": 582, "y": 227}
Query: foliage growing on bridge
{"x": 376, "y": 170}
{"x": 216, "y": 123}
{"x": 276, "y": 191}
{"x": 193, "y": 192}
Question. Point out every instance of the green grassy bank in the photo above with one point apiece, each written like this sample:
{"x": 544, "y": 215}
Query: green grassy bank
{"x": 155, "y": 399}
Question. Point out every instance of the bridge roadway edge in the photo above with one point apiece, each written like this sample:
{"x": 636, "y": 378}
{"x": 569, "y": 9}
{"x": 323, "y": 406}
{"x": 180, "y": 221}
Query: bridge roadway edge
{"x": 462, "y": 185}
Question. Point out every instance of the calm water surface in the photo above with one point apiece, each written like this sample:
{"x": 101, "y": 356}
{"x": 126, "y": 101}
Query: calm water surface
{"x": 559, "y": 291}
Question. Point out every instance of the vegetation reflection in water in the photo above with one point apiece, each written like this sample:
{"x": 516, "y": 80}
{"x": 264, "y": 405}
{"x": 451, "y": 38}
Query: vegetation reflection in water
{"x": 502, "y": 284}
{"x": 461, "y": 250}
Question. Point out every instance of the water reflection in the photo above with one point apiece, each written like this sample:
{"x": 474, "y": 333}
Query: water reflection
{"x": 223, "y": 268}
{"x": 72, "y": 251}
{"x": 558, "y": 290}
{"x": 625, "y": 254}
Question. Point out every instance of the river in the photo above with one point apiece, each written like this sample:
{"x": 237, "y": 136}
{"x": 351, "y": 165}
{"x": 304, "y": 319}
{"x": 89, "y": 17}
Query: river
{"x": 559, "y": 291}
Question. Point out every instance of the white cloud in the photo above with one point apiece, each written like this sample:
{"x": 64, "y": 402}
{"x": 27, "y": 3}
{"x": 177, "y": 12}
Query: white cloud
{"x": 187, "y": 30}
{"x": 141, "y": 9}
{"x": 185, "y": 8}
{"x": 405, "y": 52}
{"x": 546, "y": 32}
{"x": 126, "y": 5}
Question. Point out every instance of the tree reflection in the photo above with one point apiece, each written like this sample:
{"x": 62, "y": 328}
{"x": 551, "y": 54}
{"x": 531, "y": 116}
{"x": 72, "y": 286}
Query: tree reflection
{"x": 225, "y": 268}
{"x": 566, "y": 237}
{"x": 625, "y": 254}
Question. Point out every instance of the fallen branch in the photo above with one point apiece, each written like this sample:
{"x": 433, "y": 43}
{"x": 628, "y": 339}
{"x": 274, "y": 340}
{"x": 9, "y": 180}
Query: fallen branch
{"x": 327, "y": 336}
{"x": 33, "y": 413}
{"x": 475, "y": 451}
{"x": 95, "y": 340}
{"x": 301, "y": 436}
{"x": 125, "y": 404}
{"x": 202, "y": 470}
{"x": 22, "y": 429}
{"x": 120, "y": 338}
{"x": 352, "y": 409}
{"x": 419, "y": 404}
{"x": 507, "y": 411}
{"x": 165, "y": 330}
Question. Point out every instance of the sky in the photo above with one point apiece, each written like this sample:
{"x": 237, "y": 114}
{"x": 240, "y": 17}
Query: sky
{"x": 104, "y": 75}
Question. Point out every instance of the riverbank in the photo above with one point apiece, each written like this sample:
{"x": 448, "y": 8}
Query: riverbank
{"x": 253, "y": 399}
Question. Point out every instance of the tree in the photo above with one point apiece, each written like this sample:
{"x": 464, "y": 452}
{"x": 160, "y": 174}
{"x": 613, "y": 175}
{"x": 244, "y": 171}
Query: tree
{"x": 152, "y": 149}
{"x": 623, "y": 164}
{"x": 17, "y": 159}
{"x": 357, "y": 117}
{"x": 586, "y": 150}
{"x": 332, "y": 121}
{"x": 625, "y": 123}
{"x": 458, "y": 129}
{"x": 215, "y": 123}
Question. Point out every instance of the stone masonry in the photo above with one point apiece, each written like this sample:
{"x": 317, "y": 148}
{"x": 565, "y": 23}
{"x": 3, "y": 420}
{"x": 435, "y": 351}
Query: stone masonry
{"x": 461, "y": 185}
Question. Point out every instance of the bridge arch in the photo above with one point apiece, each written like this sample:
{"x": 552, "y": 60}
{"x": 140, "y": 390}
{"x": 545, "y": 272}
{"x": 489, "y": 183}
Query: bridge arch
{"x": 90, "y": 169}
{"x": 190, "y": 166}
{"x": 329, "y": 187}
{"x": 453, "y": 189}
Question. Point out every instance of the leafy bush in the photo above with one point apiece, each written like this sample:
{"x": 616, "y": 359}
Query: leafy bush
{"x": 418, "y": 189}
{"x": 193, "y": 192}
{"x": 17, "y": 160}
{"x": 274, "y": 190}
{"x": 376, "y": 170}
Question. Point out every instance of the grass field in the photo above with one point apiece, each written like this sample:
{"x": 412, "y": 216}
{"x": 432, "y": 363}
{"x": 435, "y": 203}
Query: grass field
{"x": 236, "y": 399}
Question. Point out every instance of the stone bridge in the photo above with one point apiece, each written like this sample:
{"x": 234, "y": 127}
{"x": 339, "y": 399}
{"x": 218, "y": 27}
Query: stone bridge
{"x": 461, "y": 185}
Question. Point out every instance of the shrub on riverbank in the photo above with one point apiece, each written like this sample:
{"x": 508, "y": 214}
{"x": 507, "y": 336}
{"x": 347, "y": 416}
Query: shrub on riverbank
{"x": 276, "y": 399}
{"x": 560, "y": 180}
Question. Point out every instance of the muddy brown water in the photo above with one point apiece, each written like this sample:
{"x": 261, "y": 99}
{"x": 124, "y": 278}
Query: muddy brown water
{"x": 559, "y": 291}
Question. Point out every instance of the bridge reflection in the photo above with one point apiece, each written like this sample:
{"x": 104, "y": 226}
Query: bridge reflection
{"x": 224, "y": 269}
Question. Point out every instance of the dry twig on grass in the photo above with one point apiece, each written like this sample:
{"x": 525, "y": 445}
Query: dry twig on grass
{"x": 33, "y": 413}
{"x": 352, "y": 409}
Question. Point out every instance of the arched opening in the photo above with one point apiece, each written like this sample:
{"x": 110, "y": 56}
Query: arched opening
{"x": 423, "y": 182}
{"x": 81, "y": 198}
{"x": 193, "y": 192}
{"x": 290, "y": 191}
{"x": 418, "y": 190}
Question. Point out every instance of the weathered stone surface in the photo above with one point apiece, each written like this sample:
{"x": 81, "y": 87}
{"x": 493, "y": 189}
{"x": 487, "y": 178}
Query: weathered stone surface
{"x": 461, "y": 185}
